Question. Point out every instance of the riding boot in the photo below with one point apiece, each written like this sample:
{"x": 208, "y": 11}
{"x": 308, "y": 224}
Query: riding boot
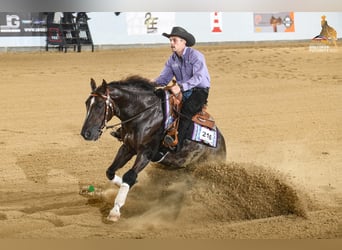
{"x": 169, "y": 141}
{"x": 182, "y": 130}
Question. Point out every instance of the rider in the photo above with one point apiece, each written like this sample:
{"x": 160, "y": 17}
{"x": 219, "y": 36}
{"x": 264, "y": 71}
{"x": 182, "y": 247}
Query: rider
{"x": 188, "y": 66}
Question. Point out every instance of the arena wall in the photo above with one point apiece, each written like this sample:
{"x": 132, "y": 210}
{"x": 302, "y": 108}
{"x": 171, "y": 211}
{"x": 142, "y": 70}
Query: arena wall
{"x": 110, "y": 29}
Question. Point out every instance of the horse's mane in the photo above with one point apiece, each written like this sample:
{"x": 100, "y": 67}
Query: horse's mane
{"x": 137, "y": 81}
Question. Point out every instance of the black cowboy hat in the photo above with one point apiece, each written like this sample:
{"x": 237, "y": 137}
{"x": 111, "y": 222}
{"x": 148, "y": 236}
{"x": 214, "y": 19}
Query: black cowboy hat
{"x": 182, "y": 33}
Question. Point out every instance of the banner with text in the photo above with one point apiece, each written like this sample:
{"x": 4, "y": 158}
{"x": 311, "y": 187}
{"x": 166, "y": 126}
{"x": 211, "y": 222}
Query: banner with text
{"x": 274, "y": 22}
{"x": 22, "y": 24}
{"x": 142, "y": 23}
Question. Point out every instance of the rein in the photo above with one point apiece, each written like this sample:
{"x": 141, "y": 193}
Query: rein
{"x": 132, "y": 118}
{"x": 110, "y": 104}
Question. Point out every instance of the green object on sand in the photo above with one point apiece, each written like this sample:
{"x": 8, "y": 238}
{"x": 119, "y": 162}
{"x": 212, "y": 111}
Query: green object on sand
{"x": 91, "y": 188}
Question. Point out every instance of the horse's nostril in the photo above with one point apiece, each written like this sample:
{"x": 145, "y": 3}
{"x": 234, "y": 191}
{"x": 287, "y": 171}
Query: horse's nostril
{"x": 87, "y": 134}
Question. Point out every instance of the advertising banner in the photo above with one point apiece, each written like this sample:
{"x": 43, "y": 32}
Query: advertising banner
{"x": 22, "y": 24}
{"x": 274, "y": 22}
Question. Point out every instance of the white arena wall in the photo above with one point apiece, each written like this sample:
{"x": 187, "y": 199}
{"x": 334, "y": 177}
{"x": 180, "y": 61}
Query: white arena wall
{"x": 109, "y": 29}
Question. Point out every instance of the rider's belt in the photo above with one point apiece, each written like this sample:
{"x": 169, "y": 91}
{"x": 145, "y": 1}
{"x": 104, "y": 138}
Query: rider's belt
{"x": 203, "y": 89}
{"x": 188, "y": 93}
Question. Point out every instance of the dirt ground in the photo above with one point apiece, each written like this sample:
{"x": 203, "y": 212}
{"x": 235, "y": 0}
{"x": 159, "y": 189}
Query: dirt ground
{"x": 278, "y": 105}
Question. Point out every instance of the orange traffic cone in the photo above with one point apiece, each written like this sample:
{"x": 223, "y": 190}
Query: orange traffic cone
{"x": 216, "y": 27}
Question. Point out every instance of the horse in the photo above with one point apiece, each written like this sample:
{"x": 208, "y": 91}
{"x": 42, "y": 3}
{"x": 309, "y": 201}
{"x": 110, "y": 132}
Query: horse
{"x": 135, "y": 102}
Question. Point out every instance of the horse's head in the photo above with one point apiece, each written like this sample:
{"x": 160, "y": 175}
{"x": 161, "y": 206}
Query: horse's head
{"x": 100, "y": 109}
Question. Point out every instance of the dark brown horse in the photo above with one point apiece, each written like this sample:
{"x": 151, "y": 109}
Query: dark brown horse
{"x": 135, "y": 102}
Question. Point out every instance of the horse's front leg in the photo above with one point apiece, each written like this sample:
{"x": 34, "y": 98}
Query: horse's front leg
{"x": 124, "y": 154}
{"x": 128, "y": 180}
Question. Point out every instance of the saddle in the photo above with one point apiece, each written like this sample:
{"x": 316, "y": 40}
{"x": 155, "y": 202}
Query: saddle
{"x": 202, "y": 118}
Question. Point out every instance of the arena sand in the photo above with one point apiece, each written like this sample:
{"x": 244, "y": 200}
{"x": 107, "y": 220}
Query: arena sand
{"x": 278, "y": 106}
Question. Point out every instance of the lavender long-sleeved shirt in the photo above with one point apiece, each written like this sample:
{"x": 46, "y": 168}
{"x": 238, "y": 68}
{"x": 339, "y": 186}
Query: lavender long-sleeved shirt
{"x": 190, "y": 70}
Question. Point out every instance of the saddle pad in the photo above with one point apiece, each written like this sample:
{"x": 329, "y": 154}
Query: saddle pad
{"x": 167, "y": 111}
{"x": 204, "y": 135}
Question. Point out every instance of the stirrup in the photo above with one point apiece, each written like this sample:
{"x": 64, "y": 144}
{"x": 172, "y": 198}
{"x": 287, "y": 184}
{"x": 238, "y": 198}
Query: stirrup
{"x": 169, "y": 141}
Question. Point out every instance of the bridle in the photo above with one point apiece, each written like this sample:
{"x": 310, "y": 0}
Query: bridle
{"x": 110, "y": 105}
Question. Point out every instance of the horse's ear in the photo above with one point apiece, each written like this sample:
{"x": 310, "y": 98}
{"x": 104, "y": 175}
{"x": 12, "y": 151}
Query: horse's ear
{"x": 92, "y": 84}
{"x": 104, "y": 83}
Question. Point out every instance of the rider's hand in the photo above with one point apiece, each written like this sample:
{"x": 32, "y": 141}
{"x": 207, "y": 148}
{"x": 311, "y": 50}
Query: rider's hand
{"x": 175, "y": 90}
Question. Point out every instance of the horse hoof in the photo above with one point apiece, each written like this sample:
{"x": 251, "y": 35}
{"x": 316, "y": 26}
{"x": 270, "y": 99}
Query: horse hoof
{"x": 114, "y": 214}
{"x": 113, "y": 217}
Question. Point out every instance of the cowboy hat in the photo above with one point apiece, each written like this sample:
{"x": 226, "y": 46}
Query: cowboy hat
{"x": 182, "y": 33}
